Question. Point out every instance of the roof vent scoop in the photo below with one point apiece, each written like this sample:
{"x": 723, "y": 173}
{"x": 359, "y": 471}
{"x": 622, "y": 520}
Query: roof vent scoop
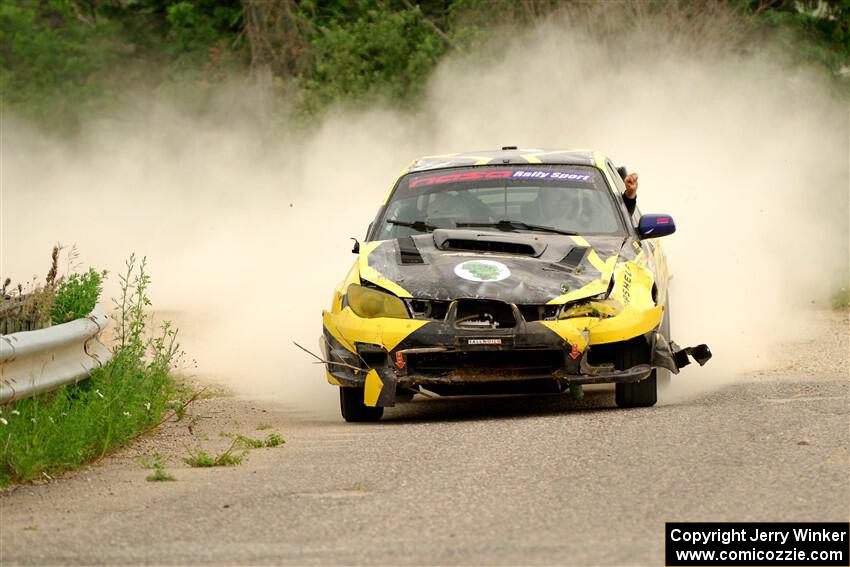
{"x": 509, "y": 147}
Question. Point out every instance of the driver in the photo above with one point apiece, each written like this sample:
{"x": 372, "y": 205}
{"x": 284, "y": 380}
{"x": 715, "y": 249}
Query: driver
{"x": 554, "y": 206}
{"x": 630, "y": 194}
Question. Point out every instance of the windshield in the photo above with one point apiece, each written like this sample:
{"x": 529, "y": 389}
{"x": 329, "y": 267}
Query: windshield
{"x": 566, "y": 199}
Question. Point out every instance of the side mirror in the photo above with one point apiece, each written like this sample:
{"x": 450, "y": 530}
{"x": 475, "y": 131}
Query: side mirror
{"x": 656, "y": 226}
{"x": 356, "y": 248}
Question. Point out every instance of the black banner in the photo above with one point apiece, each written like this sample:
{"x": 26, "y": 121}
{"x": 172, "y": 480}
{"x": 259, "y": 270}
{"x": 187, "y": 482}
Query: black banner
{"x": 746, "y": 544}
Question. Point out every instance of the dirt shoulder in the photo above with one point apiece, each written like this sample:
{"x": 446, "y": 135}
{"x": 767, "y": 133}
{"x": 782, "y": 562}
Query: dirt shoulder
{"x": 824, "y": 354}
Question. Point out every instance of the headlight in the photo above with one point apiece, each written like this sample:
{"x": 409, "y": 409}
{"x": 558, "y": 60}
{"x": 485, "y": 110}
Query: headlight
{"x": 370, "y": 303}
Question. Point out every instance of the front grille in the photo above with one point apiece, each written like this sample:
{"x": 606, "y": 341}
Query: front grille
{"x": 484, "y": 314}
{"x": 489, "y": 246}
{"x": 517, "y": 362}
{"x": 428, "y": 309}
{"x": 539, "y": 312}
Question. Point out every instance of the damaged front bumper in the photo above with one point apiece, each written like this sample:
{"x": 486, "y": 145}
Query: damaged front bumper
{"x": 383, "y": 355}
{"x": 669, "y": 355}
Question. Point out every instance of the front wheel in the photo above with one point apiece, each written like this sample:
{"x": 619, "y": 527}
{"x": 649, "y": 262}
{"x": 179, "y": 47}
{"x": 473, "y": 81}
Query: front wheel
{"x": 663, "y": 374}
{"x": 352, "y": 407}
{"x": 636, "y": 394}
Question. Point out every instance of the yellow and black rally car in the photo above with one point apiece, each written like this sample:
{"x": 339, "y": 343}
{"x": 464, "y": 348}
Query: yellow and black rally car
{"x": 503, "y": 272}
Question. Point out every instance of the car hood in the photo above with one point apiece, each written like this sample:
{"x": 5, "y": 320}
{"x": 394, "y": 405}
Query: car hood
{"x": 519, "y": 268}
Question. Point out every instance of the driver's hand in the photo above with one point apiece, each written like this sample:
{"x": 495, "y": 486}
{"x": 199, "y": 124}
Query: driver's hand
{"x": 631, "y": 182}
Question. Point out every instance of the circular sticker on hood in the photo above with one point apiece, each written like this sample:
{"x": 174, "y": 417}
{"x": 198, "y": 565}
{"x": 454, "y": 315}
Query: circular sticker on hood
{"x": 482, "y": 271}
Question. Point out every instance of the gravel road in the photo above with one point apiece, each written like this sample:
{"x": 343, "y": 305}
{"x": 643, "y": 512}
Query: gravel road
{"x": 506, "y": 480}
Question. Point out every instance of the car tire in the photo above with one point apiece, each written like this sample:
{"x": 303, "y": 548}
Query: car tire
{"x": 353, "y": 409}
{"x": 663, "y": 375}
{"x": 636, "y": 394}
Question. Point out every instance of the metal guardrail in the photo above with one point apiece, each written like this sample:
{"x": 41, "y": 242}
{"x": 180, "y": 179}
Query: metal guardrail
{"x": 32, "y": 362}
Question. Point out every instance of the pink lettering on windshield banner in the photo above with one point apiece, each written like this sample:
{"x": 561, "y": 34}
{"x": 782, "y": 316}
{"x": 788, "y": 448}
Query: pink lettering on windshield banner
{"x": 460, "y": 177}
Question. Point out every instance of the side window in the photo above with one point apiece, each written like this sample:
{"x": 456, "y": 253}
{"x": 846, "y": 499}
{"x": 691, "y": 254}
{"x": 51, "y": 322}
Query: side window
{"x": 618, "y": 181}
{"x": 621, "y": 187}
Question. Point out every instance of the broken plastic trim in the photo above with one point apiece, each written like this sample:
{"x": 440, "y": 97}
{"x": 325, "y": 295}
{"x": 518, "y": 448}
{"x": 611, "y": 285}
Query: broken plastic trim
{"x": 671, "y": 356}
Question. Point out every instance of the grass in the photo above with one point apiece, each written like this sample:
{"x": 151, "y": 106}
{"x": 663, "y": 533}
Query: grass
{"x": 61, "y": 298}
{"x": 133, "y": 394}
{"x": 62, "y": 429}
{"x": 28, "y": 307}
{"x": 200, "y": 459}
{"x": 250, "y": 442}
{"x": 159, "y": 473}
{"x": 273, "y": 440}
{"x": 238, "y": 449}
{"x": 231, "y": 457}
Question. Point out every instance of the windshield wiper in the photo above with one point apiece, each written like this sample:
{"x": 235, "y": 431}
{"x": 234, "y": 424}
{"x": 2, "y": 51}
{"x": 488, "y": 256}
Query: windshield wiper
{"x": 419, "y": 225}
{"x": 509, "y": 225}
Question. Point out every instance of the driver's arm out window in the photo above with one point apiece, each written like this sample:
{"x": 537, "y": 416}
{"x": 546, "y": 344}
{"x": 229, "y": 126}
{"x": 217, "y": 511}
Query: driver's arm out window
{"x": 621, "y": 187}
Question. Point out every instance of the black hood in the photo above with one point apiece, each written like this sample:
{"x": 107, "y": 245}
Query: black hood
{"x": 520, "y": 268}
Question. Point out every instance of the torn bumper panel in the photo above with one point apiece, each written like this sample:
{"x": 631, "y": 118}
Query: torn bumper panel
{"x": 669, "y": 355}
{"x": 442, "y": 354}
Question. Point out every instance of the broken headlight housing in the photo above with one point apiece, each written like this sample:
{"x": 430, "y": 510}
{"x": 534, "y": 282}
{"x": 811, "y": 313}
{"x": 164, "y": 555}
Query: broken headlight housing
{"x": 600, "y": 308}
{"x": 370, "y": 303}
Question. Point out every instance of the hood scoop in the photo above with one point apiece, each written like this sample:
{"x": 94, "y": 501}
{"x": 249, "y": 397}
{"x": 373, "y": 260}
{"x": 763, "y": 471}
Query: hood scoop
{"x": 498, "y": 243}
{"x": 574, "y": 257}
{"x": 408, "y": 252}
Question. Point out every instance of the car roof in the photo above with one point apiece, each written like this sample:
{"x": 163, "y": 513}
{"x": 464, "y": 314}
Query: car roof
{"x": 509, "y": 155}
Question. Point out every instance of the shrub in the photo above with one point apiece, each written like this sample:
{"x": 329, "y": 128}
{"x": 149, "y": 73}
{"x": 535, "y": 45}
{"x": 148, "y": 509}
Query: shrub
{"x": 76, "y": 295}
{"x": 382, "y": 52}
{"x": 62, "y": 429}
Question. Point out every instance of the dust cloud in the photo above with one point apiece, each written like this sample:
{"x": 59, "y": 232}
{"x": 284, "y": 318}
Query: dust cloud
{"x": 247, "y": 227}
